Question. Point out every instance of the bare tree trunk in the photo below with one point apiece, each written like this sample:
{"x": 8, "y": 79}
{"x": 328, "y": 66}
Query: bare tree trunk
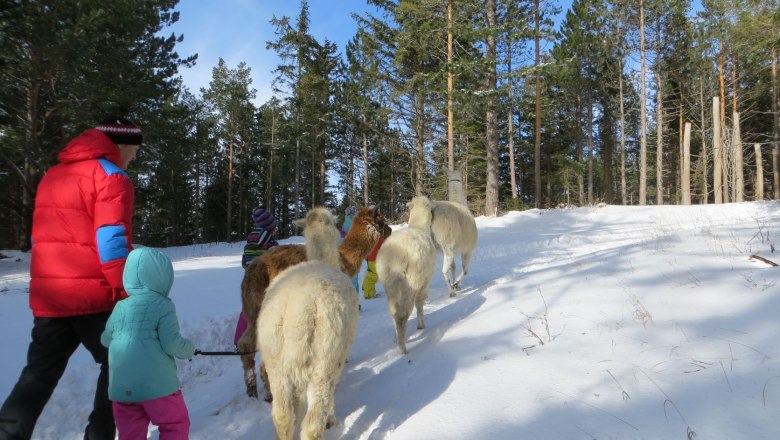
{"x": 659, "y": 143}
{"x": 365, "y": 168}
{"x": 722, "y": 121}
{"x": 491, "y": 117}
{"x": 450, "y": 86}
{"x": 643, "y": 111}
{"x": 538, "y": 111}
{"x": 739, "y": 178}
{"x": 659, "y": 127}
{"x": 579, "y": 153}
{"x": 510, "y": 123}
{"x": 420, "y": 144}
{"x": 775, "y": 128}
{"x": 229, "y": 202}
{"x": 590, "y": 150}
{"x": 759, "y": 173}
{"x": 686, "y": 166}
{"x": 623, "y": 195}
{"x": 717, "y": 154}
{"x": 269, "y": 181}
{"x": 704, "y": 157}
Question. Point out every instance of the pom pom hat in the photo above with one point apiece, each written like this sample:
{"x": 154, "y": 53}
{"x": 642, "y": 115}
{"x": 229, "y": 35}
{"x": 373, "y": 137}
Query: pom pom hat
{"x": 121, "y": 131}
{"x": 263, "y": 219}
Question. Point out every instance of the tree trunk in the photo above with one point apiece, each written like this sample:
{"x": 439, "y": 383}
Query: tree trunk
{"x": 659, "y": 127}
{"x": 365, "y": 167}
{"x": 510, "y": 123}
{"x": 686, "y": 166}
{"x": 538, "y": 111}
{"x": 297, "y": 190}
{"x": 775, "y": 128}
{"x": 704, "y": 157}
{"x": 491, "y": 117}
{"x": 590, "y": 150}
{"x": 420, "y": 144}
{"x": 736, "y": 146}
{"x": 722, "y": 121}
{"x": 759, "y": 173}
{"x": 450, "y": 86}
{"x": 623, "y": 194}
{"x": 229, "y": 201}
{"x": 269, "y": 181}
{"x": 642, "y": 110}
{"x": 717, "y": 154}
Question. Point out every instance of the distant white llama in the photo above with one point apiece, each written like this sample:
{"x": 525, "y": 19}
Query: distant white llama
{"x": 305, "y": 329}
{"x": 454, "y": 231}
{"x": 405, "y": 265}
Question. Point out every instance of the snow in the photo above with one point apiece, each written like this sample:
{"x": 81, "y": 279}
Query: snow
{"x": 586, "y": 323}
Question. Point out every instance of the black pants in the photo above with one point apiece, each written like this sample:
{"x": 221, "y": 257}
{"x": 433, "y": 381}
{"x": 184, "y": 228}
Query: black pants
{"x": 53, "y": 342}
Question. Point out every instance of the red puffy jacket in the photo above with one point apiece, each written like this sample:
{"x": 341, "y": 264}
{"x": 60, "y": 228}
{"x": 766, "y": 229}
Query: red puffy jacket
{"x": 81, "y": 231}
{"x": 375, "y": 250}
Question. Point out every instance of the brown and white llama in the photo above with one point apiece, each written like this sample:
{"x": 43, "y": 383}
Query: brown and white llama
{"x": 367, "y": 227}
{"x": 454, "y": 231}
{"x": 405, "y": 265}
{"x": 305, "y": 329}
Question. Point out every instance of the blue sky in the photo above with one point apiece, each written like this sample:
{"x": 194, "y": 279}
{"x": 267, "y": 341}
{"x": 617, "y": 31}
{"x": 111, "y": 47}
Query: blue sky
{"x": 237, "y": 30}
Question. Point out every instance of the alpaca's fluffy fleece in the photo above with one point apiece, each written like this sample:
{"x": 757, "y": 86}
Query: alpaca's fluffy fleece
{"x": 455, "y": 233}
{"x": 367, "y": 227}
{"x": 305, "y": 329}
{"x": 405, "y": 265}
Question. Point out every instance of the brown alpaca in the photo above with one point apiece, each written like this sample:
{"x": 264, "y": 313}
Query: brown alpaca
{"x": 367, "y": 227}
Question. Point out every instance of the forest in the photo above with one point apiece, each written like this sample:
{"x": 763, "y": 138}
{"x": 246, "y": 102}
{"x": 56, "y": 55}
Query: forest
{"x": 620, "y": 102}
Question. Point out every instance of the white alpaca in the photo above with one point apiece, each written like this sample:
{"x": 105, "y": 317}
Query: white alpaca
{"x": 405, "y": 265}
{"x": 454, "y": 231}
{"x": 305, "y": 329}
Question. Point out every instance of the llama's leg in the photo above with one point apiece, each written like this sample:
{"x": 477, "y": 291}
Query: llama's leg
{"x": 317, "y": 399}
{"x": 400, "y": 332}
{"x": 332, "y": 402}
{"x": 419, "y": 302}
{"x": 246, "y": 345}
{"x": 268, "y": 397}
{"x": 465, "y": 259}
{"x": 283, "y": 410}
{"x": 447, "y": 268}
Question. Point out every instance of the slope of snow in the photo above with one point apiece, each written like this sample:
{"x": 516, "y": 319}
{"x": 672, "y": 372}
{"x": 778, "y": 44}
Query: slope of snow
{"x": 587, "y": 323}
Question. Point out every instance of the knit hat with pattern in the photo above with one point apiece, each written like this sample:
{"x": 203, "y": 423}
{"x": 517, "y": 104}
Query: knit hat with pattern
{"x": 263, "y": 219}
{"x": 121, "y": 131}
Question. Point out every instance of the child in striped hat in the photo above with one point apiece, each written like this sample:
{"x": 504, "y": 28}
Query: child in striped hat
{"x": 258, "y": 242}
{"x": 261, "y": 238}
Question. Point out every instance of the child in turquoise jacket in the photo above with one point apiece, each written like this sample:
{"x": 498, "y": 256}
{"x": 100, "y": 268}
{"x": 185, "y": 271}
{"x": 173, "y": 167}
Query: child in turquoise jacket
{"x": 142, "y": 336}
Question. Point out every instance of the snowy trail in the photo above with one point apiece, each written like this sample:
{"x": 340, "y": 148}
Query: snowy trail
{"x": 619, "y": 322}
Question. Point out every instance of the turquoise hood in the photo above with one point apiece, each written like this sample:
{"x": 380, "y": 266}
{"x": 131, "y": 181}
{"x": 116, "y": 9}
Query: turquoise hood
{"x": 148, "y": 270}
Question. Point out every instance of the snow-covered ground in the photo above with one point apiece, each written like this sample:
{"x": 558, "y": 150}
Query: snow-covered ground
{"x": 586, "y": 323}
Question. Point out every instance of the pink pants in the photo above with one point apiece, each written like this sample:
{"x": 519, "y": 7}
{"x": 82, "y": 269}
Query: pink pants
{"x": 169, "y": 413}
{"x": 241, "y": 326}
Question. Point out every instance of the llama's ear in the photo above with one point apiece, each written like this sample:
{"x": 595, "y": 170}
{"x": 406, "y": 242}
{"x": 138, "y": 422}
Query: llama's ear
{"x": 301, "y": 223}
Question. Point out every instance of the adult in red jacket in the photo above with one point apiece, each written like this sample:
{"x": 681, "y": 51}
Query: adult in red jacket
{"x": 81, "y": 235}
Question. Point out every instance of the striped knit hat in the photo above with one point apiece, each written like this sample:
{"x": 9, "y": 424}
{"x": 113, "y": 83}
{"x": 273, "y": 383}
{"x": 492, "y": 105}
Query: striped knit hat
{"x": 121, "y": 131}
{"x": 263, "y": 219}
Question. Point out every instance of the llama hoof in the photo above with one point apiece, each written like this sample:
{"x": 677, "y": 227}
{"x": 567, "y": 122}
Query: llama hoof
{"x": 268, "y": 398}
{"x": 453, "y": 294}
{"x": 252, "y": 393}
